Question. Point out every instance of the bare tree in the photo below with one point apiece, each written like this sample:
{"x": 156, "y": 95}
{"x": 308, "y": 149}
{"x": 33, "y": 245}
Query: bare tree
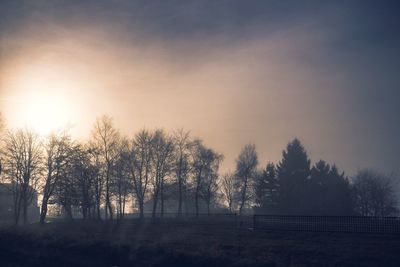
{"x": 98, "y": 179}
{"x": 374, "y": 194}
{"x": 210, "y": 188}
{"x": 140, "y": 160}
{"x": 66, "y": 192}
{"x": 246, "y": 170}
{"x": 162, "y": 147}
{"x": 205, "y": 172}
{"x": 85, "y": 174}
{"x": 105, "y": 139}
{"x": 57, "y": 153}
{"x": 228, "y": 189}
{"x": 183, "y": 145}
{"x": 122, "y": 183}
{"x": 23, "y": 165}
{"x": 210, "y": 185}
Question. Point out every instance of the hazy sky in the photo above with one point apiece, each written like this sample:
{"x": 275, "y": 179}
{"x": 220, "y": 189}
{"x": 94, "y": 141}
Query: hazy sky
{"x": 232, "y": 72}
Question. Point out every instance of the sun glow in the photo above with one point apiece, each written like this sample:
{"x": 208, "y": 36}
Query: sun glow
{"x": 41, "y": 98}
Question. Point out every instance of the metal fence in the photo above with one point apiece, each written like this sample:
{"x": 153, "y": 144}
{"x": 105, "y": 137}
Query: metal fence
{"x": 344, "y": 224}
{"x": 349, "y": 224}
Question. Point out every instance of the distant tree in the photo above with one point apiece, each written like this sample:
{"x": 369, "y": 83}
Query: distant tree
{"x": 227, "y": 187}
{"x": 84, "y": 174}
{"x": 205, "y": 165}
{"x": 95, "y": 165}
{"x": 140, "y": 166}
{"x": 293, "y": 172}
{"x": 66, "y": 192}
{"x": 162, "y": 147}
{"x": 246, "y": 171}
{"x": 328, "y": 191}
{"x": 122, "y": 182}
{"x": 374, "y": 194}
{"x": 23, "y": 164}
{"x": 105, "y": 139}
{"x": 266, "y": 189}
{"x": 209, "y": 186}
{"x": 57, "y": 154}
{"x": 182, "y": 166}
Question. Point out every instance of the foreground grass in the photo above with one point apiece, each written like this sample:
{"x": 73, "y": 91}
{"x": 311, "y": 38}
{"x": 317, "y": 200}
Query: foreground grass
{"x": 147, "y": 244}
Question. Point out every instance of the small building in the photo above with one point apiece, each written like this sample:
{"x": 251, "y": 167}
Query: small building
{"x": 7, "y": 205}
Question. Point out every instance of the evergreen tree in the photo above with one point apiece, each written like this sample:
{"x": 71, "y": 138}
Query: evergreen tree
{"x": 293, "y": 172}
{"x": 266, "y": 190}
{"x": 328, "y": 191}
{"x": 338, "y": 199}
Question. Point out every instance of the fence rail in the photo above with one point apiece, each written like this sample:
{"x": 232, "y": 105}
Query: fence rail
{"x": 350, "y": 224}
{"x": 345, "y": 224}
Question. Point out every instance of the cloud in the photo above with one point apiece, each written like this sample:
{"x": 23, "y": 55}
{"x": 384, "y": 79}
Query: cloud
{"x": 231, "y": 71}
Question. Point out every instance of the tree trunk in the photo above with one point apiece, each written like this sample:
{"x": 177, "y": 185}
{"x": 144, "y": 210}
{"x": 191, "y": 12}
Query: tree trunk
{"x": 196, "y": 202}
{"x": 123, "y": 207}
{"x": 155, "y": 200}
{"x": 180, "y": 197}
{"x": 197, "y": 194}
{"x": 43, "y": 211}
{"x": 109, "y": 207}
{"x": 180, "y": 184}
{"x": 141, "y": 208}
{"x": 17, "y": 207}
{"x": 243, "y": 197}
{"x": 68, "y": 210}
{"x": 162, "y": 198}
{"x": 25, "y": 209}
{"x": 119, "y": 215}
{"x": 98, "y": 210}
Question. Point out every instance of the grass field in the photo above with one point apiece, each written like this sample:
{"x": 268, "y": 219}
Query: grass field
{"x": 148, "y": 244}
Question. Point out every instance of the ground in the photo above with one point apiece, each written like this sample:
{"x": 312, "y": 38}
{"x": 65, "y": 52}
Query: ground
{"x": 149, "y": 244}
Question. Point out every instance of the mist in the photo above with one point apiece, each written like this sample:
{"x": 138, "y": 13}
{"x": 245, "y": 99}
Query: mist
{"x": 231, "y": 75}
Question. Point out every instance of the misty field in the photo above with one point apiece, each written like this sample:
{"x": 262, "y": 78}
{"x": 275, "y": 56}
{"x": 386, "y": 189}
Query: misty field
{"x": 152, "y": 244}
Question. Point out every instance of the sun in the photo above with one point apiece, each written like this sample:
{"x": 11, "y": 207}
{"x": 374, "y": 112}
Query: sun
{"x": 41, "y": 98}
{"x": 46, "y": 112}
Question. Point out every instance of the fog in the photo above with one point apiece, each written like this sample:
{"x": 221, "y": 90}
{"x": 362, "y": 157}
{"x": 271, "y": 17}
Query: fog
{"x": 231, "y": 75}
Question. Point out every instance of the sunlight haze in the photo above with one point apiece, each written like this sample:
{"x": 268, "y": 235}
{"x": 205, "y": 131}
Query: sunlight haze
{"x": 266, "y": 81}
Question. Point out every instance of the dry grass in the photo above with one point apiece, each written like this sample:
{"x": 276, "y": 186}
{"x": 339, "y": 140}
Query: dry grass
{"x": 146, "y": 244}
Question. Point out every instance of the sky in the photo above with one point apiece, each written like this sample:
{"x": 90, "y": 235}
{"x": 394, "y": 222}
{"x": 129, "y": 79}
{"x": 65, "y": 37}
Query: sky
{"x": 232, "y": 72}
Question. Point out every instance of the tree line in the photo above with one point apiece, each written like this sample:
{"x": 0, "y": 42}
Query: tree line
{"x": 173, "y": 172}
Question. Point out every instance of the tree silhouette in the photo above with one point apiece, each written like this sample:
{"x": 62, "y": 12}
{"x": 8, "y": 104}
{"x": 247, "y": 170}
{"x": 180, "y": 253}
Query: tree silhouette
{"x": 329, "y": 191}
{"x": 162, "y": 147}
{"x": 23, "y": 165}
{"x": 57, "y": 154}
{"x": 227, "y": 187}
{"x": 105, "y": 139}
{"x": 182, "y": 166}
{"x": 374, "y": 194}
{"x": 246, "y": 171}
{"x": 205, "y": 167}
{"x": 140, "y": 165}
{"x": 122, "y": 182}
{"x": 266, "y": 189}
{"x": 153, "y": 168}
{"x": 293, "y": 172}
